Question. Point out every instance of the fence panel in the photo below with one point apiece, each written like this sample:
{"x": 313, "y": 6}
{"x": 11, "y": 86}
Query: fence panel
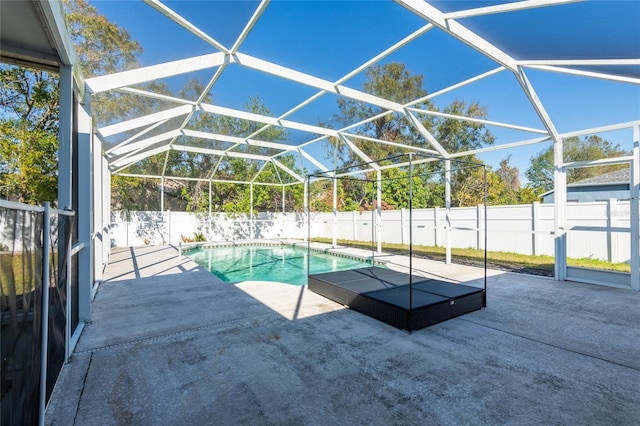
{"x": 597, "y": 230}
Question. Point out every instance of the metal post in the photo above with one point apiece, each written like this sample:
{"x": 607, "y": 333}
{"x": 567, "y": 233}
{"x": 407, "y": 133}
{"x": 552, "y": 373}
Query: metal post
{"x": 535, "y": 227}
{"x": 85, "y": 209}
{"x": 560, "y": 195}
{"x": 373, "y": 229}
{"x": 379, "y": 209}
{"x": 65, "y": 131}
{"x": 282, "y": 225}
{"x": 251, "y": 211}
{"x": 98, "y": 236}
{"x": 484, "y": 295}
{"x": 611, "y": 202}
{"x": 403, "y": 226}
{"x": 436, "y": 220}
{"x": 162, "y": 195}
{"x": 46, "y": 243}
{"x": 447, "y": 206}
{"x": 210, "y": 219}
{"x": 410, "y": 235}
{"x": 334, "y": 239}
{"x": 306, "y": 209}
{"x": 480, "y": 225}
{"x": 634, "y": 206}
{"x": 65, "y": 156}
{"x": 169, "y": 232}
{"x": 67, "y": 287}
{"x": 305, "y": 206}
{"x": 355, "y": 225}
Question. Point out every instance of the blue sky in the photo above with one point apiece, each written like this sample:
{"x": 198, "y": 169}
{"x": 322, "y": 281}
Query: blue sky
{"x": 329, "y": 39}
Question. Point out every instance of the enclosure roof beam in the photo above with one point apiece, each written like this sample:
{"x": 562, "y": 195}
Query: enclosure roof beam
{"x": 164, "y": 10}
{"x": 425, "y": 133}
{"x": 237, "y": 140}
{"x": 609, "y": 128}
{"x": 138, "y": 122}
{"x": 158, "y": 96}
{"x": 455, "y": 29}
{"x": 213, "y": 171}
{"x": 450, "y": 26}
{"x": 407, "y": 163}
{"x": 278, "y": 173}
{"x": 313, "y": 160}
{"x": 457, "y": 85}
{"x": 154, "y": 72}
{"x": 502, "y": 8}
{"x": 312, "y": 81}
{"x": 396, "y": 144}
{"x": 419, "y": 32}
{"x": 143, "y": 143}
{"x": 211, "y": 151}
{"x": 478, "y": 120}
{"x": 178, "y": 178}
{"x": 347, "y": 174}
{"x": 119, "y": 165}
{"x": 259, "y": 171}
{"x": 601, "y": 162}
{"x": 501, "y": 147}
{"x": 259, "y": 118}
{"x": 359, "y": 153}
{"x": 140, "y": 149}
{"x": 288, "y": 170}
{"x": 580, "y": 62}
{"x": 536, "y": 103}
{"x": 252, "y": 22}
{"x": 132, "y": 138}
{"x": 589, "y": 74}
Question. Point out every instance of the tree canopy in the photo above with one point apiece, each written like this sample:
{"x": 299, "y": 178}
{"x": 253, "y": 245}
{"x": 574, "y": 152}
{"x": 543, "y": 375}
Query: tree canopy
{"x": 29, "y": 126}
{"x": 395, "y": 82}
{"x": 29, "y": 104}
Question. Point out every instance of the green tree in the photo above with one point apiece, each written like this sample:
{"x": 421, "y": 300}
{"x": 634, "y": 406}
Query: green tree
{"x": 390, "y": 81}
{"x": 28, "y": 134}
{"x": 527, "y": 195}
{"x": 510, "y": 177}
{"x": 456, "y": 135}
{"x": 396, "y": 189}
{"x": 393, "y": 81}
{"x": 540, "y": 171}
{"x": 28, "y": 169}
{"x": 29, "y": 103}
{"x": 467, "y": 188}
{"x": 233, "y": 198}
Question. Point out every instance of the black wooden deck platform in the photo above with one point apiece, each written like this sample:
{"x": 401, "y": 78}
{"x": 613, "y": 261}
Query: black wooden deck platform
{"x": 386, "y": 295}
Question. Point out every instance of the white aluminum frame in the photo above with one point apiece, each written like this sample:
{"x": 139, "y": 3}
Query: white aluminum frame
{"x": 133, "y": 148}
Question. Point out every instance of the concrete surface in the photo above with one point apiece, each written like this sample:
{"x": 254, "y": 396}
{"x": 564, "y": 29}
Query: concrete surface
{"x": 170, "y": 344}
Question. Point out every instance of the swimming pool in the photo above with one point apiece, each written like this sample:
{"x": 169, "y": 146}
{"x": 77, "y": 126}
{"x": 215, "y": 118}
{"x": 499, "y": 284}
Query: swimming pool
{"x": 286, "y": 264}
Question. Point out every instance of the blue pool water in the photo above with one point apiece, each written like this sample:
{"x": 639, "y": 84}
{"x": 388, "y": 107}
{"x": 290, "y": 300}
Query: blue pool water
{"x": 278, "y": 263}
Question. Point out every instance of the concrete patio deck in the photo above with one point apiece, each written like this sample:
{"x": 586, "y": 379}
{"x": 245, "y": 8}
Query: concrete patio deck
{"x": 170, "y": 344}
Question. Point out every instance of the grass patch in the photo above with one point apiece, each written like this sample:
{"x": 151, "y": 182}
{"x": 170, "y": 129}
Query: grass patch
{"x": 599, "y": 264}
{"x": 18, "y": 273}
{"x": 541, "y": 265}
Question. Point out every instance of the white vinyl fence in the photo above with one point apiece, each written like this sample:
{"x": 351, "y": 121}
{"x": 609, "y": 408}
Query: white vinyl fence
{"x": 598, "y": 230}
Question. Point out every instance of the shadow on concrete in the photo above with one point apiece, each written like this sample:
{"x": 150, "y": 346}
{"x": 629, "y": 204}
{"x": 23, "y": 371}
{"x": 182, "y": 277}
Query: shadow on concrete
{"x": 189, "y": 349}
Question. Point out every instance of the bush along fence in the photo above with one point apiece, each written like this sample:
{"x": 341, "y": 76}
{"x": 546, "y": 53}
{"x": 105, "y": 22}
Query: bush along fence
{"x": 596, "y": 230}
